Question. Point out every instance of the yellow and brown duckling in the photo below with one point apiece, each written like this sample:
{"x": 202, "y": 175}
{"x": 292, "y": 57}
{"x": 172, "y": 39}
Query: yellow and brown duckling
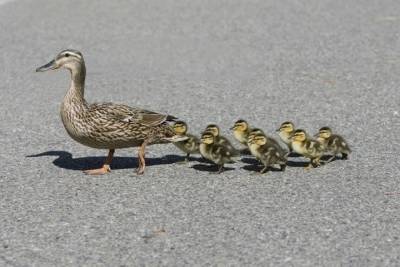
{"x": 333, "y": 143}
{"x": 107, "y": 125}
{"x": 285, "y": 132}
{"x": 307, "y": 147}
{"x": 215, "y": 152}
{"x": 270, "y": 140}
{"x": 190, "y": 145}
{"x": 219, "y": 139}
{"x": 268, "y": 153}
{"x": 241, "y": 130}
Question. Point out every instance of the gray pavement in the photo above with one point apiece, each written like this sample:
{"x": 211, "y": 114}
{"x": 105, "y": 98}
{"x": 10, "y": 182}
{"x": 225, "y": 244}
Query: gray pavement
{"x": 315, "y": 62}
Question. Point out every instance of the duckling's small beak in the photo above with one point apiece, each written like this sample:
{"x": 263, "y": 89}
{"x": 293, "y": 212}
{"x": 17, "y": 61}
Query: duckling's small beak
{"x": 278, "y": 130}
{"x": 49, "y": 66}
{"x": 232, "y": 128}
{"x": 316, "y": 135}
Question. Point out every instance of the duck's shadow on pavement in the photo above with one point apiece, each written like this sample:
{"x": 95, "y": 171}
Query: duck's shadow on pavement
{"x": 65, "y": 160}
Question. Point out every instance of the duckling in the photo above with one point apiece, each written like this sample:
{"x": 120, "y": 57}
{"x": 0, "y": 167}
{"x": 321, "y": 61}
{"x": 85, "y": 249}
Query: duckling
{"x": 241, "y": 130}
{"x": 270, "y": 140}
{"x": 307, "y": 147}
{"x": 333, "y": 143}
{"x": 268, "y": 153}
{"x": 107, "y": 125}
{"x": 285, "y": 131}
{"x": 219, "y": 139}
{"x": 217, "y": 153}
{"x": 189, "y": 146}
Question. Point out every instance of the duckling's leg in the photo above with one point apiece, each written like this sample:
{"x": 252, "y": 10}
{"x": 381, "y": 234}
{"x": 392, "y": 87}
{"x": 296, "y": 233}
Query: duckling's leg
{"x": 106, "y": 166}
{"x": 141, "y": 155}
{"x": 186, "y": 160}
{"x": 265, "y": 169}
{"x": 221, "y": 168}
{"x": 330, "y": 159}
{"x": 310, "y": 165}
{"x": 283, "y": 167}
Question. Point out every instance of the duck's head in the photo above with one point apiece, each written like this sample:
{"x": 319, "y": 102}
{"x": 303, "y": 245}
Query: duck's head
{"x": 286, "y": 127}
{"x": 259, "y": 140}
{"x": 213, "y": 128}
{"x": 207, "y": 138}
{"x": 69, "y": 59}
{"x": 324, "y": 132}
{"x": 299, "y": 136}
{"x": 180, "y": 127}
{"x": 240, "y": 126}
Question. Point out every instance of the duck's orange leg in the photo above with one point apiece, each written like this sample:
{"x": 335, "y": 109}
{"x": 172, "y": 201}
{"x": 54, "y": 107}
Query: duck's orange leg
{"x": 141, "y": 157}
{"x": 106, "y": 166}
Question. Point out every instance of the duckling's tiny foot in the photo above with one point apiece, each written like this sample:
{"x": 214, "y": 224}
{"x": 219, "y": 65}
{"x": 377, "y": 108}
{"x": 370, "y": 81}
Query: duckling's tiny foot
{"x": 308, "y": 167}
{"x": 103, "y": 170}
{"x": 185, "y": 161}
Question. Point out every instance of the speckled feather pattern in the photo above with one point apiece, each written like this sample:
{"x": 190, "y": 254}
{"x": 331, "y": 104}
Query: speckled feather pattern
{"x": 336, "y": 144}
{"x": 108, "y": 125}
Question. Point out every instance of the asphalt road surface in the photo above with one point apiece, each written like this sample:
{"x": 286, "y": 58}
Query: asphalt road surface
{"x": 314, "y": 62}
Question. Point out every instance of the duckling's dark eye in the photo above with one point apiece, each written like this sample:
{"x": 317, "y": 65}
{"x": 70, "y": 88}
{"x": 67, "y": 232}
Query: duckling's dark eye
{"x": 66, "y": 55}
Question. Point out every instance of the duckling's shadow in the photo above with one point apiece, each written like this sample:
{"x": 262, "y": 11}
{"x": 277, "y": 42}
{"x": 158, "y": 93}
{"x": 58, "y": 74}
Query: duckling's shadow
{"x": 252, "y": 161}
{"x": 258, "y": 168}
{"x": 294, "y": 155}
{"x": 66, "y": 161}
{"x": 298, "y": 164}
{"x": 212, "y": 168}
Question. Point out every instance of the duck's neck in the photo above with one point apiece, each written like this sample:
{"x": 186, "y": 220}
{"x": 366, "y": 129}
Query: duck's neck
{"x": 75, "y": 94}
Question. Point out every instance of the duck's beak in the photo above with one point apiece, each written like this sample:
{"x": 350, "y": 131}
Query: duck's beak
{"x": 232, "y": 128}
{"x": 49, "y": 66}
{"x": 316, "y": 135}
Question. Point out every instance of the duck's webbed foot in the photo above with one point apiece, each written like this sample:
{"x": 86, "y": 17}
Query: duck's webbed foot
{"x": 103, "y": 170}
{"x": 106, "y": 166}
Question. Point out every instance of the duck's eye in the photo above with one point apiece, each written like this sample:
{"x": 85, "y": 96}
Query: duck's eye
{"x": 66, "y": 55}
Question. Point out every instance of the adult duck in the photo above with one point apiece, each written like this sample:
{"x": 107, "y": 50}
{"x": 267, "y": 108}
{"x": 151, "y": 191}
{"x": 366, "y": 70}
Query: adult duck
{"x": 107, "y": 125}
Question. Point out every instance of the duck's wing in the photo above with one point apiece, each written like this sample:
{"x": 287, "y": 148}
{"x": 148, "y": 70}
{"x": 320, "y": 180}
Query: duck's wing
{"x": 128, "y": 114}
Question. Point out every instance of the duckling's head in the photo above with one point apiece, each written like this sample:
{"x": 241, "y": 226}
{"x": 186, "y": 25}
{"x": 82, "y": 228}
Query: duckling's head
{"x": 213, "y": 128}
{"x": 287, "y": 127}
{"x": 254, "y": 132}
{"x": 180, "y": 127}
{"x": 70, "y": 59}
{"x": 207, "y": 138}
{"x": 259, "y": 139}
{"x": 325, "y": 132}
{"x": 299, "y": 136}
{"x": 240, "y": 126}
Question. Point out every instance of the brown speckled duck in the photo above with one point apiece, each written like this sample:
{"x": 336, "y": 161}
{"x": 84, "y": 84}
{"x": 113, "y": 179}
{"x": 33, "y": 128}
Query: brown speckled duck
{"x": 107, "y": 125}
